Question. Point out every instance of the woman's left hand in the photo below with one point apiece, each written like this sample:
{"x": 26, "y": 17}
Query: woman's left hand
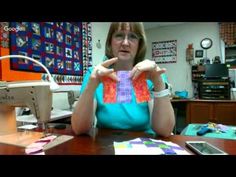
{"x": 153, "y": 70}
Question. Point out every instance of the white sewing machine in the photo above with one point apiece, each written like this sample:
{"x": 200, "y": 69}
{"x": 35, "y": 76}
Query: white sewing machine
{"x": 36, "y": 95}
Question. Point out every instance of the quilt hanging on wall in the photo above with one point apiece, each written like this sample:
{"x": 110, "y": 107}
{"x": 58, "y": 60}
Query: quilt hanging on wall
{"x": 164, "y": 51}
{"x": 4, "y": 35}
{"x": 63, "y": 47}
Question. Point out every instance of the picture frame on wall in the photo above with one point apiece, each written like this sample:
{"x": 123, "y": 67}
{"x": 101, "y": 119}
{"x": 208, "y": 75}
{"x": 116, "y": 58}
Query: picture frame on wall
{"x": 164, "y": 51}
{"x": 199, "y": 53}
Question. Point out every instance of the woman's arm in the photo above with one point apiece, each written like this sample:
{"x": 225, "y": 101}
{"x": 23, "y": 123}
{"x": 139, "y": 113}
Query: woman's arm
{"x": 83, "y": 115}
{"x": 163, "y": 117}
{"x": 162, "y": 114}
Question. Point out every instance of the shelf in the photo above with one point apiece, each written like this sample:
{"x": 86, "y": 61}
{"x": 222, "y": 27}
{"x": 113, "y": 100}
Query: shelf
{"x": 214, "y": 89}
{"x": 215, "y": 83}
{"x": 198, "y": 72}
{"x": 230, "y": 56}
{"x": 230, "y": 46}
{"x": 210, "y": 98}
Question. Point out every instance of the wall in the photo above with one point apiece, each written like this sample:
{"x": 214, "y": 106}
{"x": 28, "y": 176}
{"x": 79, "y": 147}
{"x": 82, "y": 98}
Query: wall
{"x": 99, "y": 32}
{"x": 179, "y": 74}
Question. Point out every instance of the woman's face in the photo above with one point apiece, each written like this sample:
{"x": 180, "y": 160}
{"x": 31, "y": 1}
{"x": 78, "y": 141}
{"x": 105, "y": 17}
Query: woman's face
{"x": 125, "y": 44}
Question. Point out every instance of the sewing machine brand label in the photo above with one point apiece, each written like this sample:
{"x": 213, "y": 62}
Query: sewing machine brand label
{"x": 4, "y": 98}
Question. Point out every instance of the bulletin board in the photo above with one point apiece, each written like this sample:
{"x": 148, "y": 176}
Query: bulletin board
{"x": 164, "y": 51}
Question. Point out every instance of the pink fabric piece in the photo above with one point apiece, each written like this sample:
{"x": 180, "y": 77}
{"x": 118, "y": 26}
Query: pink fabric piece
{"x": 36, "y": 148}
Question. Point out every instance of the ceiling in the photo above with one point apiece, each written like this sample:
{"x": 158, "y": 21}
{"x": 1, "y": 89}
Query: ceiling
{"x": 149, "y": 25}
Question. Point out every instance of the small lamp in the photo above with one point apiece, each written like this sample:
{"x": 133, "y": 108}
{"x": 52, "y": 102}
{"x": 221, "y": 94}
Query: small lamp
{"x": 53, "y": 85}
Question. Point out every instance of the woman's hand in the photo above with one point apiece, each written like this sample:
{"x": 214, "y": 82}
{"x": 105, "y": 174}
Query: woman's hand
{"x": 153, "y": 71}
{"x": 103, "y": 70}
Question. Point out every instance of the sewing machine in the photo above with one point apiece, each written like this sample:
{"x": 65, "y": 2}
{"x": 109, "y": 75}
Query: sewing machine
{"x": 36, "y": 95}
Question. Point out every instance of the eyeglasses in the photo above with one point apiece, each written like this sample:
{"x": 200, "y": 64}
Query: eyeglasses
{"x": 120, "y": 36}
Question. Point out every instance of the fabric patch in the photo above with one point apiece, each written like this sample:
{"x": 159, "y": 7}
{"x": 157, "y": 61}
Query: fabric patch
{"x": 121, "y": 92}
{"x": 109, "y": 90}
{"x": 4, "y": 34}
{"x": 124, "y": 87}
{"x": 141, "y": 89}
{"x": 148, "y": 146}
{"x": 36, "y": 148}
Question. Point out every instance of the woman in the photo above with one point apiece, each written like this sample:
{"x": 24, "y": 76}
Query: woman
{"x": 125, "y": 48}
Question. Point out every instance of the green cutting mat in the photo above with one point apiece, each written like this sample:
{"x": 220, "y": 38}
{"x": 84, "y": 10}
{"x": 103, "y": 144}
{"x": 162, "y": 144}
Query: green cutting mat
{"x": 192, "y": 129}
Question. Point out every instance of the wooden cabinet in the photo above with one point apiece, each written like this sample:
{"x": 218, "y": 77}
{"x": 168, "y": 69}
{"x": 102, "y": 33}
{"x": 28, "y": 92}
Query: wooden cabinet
{"x": 225, "y": 113}
{"x": 211, "y": 111}
{"x": 199, "y": 112}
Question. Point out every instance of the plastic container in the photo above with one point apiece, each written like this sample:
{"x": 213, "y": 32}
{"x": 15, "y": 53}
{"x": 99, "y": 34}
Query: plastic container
{"x": 182, "y": 94}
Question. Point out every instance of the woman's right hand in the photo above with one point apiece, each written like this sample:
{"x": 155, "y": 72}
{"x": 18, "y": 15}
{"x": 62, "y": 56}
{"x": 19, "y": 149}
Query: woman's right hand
{"x": 103, "y": 70}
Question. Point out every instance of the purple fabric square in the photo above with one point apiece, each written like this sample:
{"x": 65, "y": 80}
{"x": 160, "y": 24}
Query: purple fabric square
{"x": 151, "y": 145}
{"x": 222, "y": 128}
{"x": 177, "y": 148}
{"x": 145, "y": 139}
{"x": 124, "y": 87}
{"x": 168, "y": 151}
